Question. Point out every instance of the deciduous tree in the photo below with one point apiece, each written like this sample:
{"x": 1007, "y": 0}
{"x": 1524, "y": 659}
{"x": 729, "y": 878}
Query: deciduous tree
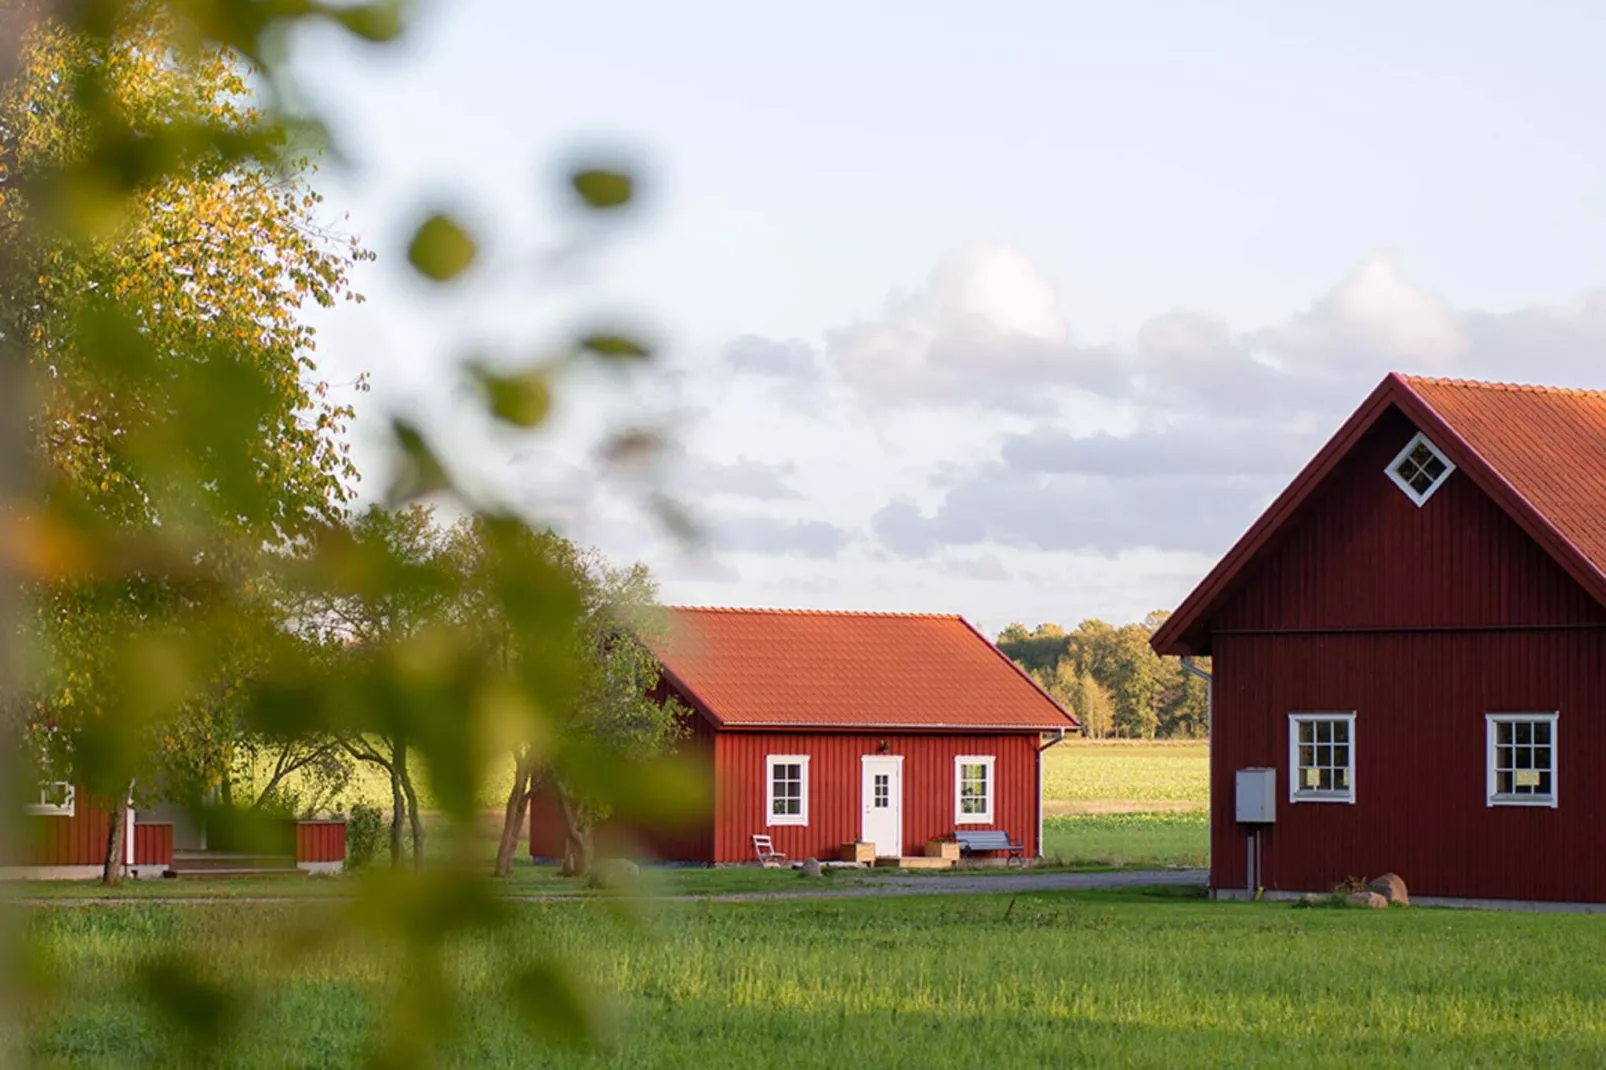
{"x": 196, "y": 279}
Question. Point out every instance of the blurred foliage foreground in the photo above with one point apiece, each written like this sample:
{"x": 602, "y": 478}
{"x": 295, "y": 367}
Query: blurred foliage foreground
{"x": 183, "y": 579}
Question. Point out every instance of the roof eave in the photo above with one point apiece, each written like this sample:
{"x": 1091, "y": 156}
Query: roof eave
{"x": 1180, "y": 634}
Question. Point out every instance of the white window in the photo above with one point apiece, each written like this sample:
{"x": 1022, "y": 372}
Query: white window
{"x": 1321, "y": 757}
{"x": 1420, "y": 469}
{"x": 1522, "y": 759}
{"x": 973, "y": 789}
{"x": 787, "y": 795}
{"x": 56, "y": 798}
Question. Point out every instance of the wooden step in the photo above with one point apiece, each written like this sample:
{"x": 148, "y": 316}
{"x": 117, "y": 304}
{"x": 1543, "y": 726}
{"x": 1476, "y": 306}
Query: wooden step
{"x": 228, "y": 874}
{"x": 187, "y": 861}
{"x": 914, "y": 862}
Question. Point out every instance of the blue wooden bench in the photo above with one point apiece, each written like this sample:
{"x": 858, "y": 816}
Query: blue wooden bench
{"x": 991, "y": 840}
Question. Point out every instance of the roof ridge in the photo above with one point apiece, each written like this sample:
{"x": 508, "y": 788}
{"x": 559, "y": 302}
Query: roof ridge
{"x": 757, "y": 610}
{"x": 1481, "y": 384}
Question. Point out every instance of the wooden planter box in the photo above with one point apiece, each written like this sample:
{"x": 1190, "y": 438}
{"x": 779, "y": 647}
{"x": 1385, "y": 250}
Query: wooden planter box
{"x": 948, "y": 849}
{"x": 859, "y": 852}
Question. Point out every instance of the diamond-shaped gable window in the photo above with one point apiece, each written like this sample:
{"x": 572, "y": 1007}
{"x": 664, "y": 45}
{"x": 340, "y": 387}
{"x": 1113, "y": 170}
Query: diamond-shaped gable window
{"x": 1420, "y": 469}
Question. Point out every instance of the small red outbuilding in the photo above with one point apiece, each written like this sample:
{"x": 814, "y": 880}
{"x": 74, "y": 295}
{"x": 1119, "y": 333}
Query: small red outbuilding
{"x": 823, "y": 728}
{"x": 1411, "y": 644}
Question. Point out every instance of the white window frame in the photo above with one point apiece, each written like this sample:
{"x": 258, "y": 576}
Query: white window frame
{"x": 1410, "y": 492}
{"x": 50, "y": 809}
{"x": 1490, "y": 721}
{"x": 1297, "y": 792}
{"x": 990, "y": 762}
{"x": 771, "y": 818}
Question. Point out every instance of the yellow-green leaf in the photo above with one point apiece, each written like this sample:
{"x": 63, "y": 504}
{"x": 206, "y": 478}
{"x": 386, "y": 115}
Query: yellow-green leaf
{"x": 522, "y": 399}
{"x": 615, "y": 346}
{"x": 603, "y": 189}
{"x": 378, "y": 22}
{"x": 440, "y": 249}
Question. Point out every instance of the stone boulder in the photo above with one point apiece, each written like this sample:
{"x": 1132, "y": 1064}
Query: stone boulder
{"x": 1392, "y": 888}
{"x": 1368, "y": 899}
{"x": 811, "y": 868}
{"x": 614, "y": 873}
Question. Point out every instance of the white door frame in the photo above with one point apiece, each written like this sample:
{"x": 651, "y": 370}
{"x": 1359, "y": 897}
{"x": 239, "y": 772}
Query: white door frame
{"x": 871, "y": 765}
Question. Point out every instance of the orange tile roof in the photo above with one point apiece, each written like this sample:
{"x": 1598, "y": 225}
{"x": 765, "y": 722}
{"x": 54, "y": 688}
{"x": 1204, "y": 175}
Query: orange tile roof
{"x": 751, "y": 668}
{"x": 1548, "y": 444}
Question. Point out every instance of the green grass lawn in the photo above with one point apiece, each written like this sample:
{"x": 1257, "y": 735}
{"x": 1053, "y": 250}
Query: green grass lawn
{"x": 1094, "y": 775}
{"x": 1068, "y": 979}
{"x": 1127, "y": 841}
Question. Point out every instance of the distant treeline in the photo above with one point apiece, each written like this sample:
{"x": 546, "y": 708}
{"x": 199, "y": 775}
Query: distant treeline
{"x": 1111, "y": 679}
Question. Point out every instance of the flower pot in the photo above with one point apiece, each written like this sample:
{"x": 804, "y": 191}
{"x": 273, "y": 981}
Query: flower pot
{"x": 860, "y": 851}
{"x": 948, "y": 849}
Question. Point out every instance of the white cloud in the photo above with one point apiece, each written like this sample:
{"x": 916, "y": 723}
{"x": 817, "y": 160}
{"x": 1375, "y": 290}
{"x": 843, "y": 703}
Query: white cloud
{"x": 987, "y": 328}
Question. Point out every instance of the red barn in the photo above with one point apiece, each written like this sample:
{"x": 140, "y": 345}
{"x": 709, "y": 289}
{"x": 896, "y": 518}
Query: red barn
{"x": 820, "y": 729}
{"x": 1412, "y": 639}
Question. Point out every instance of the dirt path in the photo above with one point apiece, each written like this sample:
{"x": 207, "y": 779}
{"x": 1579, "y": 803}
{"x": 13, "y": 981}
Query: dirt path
{"x": 1000, "y": 884}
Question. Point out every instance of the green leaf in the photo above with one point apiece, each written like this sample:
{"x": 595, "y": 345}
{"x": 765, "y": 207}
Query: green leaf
{"x": 377, "y": 22}
{"x": 615, "y": 346}
{"x": 602, "y": 189}
{"x": 440, "y": 249}
{"x": 419, "y": 472}
{"x": 554, "y": 1008}
{"x": 522, "y": 399}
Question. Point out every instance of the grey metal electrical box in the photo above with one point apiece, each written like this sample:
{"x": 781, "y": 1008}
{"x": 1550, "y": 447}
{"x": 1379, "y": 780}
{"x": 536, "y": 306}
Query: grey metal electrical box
{"x": 1257, "y": 796}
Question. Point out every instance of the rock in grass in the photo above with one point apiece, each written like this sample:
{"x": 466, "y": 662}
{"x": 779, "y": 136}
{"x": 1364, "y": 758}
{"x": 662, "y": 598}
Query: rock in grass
{"x": 613, "y": 873}
{"x": 1392, "y": 888}
{"x": 811, "y": 868}
{"x": 1368, "y": 899}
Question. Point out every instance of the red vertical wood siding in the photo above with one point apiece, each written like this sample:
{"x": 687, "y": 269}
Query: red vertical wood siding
{"x": 682, "y": 840}
{"x": 1420, "y": 778}
{"x": 1421, "y": 620}
{"x": 320, "y": 841}
{"x": 153, "y": 843}
{"x": 1360, "y": 554}
{"x": 50, "y": 840}
{"x": 835, "y": 785}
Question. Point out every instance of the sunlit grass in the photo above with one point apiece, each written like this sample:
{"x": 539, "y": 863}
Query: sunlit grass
{"x": 1049, "y": 979}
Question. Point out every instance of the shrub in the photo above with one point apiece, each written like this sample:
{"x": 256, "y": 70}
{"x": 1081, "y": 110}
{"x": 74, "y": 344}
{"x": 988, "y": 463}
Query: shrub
{"x": 365, "y": 829}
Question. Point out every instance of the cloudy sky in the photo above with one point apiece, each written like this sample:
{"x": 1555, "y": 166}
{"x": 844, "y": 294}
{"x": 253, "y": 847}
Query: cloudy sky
{"x": 1021, "y": 311}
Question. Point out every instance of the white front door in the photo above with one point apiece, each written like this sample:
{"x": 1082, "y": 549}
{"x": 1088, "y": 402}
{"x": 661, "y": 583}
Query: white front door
{"x": 881, "y": 798}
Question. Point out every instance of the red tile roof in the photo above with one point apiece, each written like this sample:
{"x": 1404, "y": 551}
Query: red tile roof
{"x": 1549, "y": 444}
{"x": 1539, "y": 452}
{"x": 749, "y": 668}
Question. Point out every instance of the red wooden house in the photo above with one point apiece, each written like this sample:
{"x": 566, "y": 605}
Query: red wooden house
{"x": 1413, "y": 640}
{"x": 64, "y": 837}
{"x": 819, "y": 729}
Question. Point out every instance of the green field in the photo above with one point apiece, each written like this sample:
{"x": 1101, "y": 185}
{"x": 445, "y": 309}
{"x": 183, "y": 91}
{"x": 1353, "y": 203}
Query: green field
{"x": 1068, "y": 979}
{"x": 1083, "y": 775}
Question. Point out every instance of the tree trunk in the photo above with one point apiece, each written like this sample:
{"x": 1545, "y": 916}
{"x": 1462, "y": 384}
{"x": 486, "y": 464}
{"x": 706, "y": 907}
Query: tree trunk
{"x": 398, "y": 807}
{"x": 518, "y": 804}
{"x": 413, "y": 816}
{"x": 576, "y": 835}
{"x": 111, "y": 870}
